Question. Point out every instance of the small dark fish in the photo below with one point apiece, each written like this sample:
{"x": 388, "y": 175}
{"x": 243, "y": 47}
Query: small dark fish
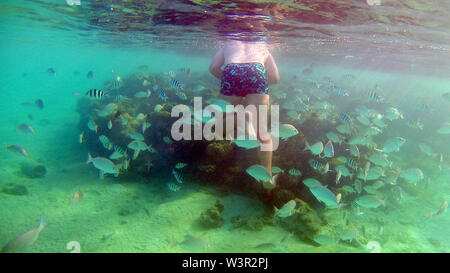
{"x": 90, "y": 74}
{"x": 107, "y": 237}
{"x": 77, "y": 196}
{"x": 51, "y": 71}
{"x": 39, "y": 103}
{"x": 186, "y": 70}
{"x": 95, "y": 93}
{"x": 446, "y": 96}
{"x": 192, "y": 243}
{"x": 308, "y": 70}
{"x": 143, "y": 67}
{"x": 265, "y": 245}
{"x": 423, "y": 107}
{"x": 147, "y": 212}
{"x": 17, "y": 150}
{"x": 30, "y": 117}
{"x": 24, "y": 74}
{"x": 27, "y": 103}
{"x": 76, "y": 73}
{"x": 348, "y": 77}
{"x": 25, "y": 128}
{"x": 117, "y": 114}
{"x": 442, "y": 209}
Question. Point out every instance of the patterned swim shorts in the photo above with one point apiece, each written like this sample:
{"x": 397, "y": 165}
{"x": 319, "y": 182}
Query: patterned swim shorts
{"x": 241, "y": 79}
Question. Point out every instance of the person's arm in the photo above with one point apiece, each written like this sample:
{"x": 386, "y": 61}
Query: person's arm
{"x": 216, "y": 64}
{"x": 272, "y": 70}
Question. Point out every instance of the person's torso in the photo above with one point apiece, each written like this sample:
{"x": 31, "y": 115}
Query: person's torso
{"x": 240, "y": 52}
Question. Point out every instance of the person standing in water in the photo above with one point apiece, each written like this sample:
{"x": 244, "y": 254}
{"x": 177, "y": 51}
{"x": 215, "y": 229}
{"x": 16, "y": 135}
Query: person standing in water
{"x": 249, "y": 68}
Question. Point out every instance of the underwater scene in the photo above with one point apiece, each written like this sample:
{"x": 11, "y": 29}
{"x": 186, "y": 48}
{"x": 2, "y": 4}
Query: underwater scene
{"x": 89, "y": 98}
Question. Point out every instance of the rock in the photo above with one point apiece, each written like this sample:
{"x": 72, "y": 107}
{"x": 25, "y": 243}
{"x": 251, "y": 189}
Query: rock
{"x": 207, "y": 168}
{"x": 34, "y": 171}
{"x": 218, "y": 151}
{"x": 253, "y": 223}
{"x": 124, "y": 212}
{"x": 212, "y": 218}
{"x": 305, "y": 224}
{"x": 14, "y": 189}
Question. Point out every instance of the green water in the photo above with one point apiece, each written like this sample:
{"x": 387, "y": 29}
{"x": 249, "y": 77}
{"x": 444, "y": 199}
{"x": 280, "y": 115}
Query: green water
{"x": 139, "y": 214}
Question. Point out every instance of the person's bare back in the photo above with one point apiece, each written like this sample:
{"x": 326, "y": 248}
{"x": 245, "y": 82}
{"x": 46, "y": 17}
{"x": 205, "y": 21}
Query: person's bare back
{"x": 239, "y": 52}
{"x": 242, "y": 52}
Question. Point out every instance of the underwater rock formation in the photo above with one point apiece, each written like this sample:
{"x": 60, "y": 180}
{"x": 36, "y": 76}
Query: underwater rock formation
{"x": 217, "y": 163}
{"x": 14, "y": 189}
{"x": 212, "y": 217}
{"x": 252, "y": 223}
{"x": 34, "y": 171}
{"x": 305, "y": 224}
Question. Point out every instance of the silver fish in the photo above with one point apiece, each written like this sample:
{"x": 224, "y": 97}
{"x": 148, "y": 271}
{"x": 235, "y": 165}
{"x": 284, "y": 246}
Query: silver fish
{"x": 25, "y": 240}
{"x": 287, "y": 210}
{"x": 328, "y": 151}
{"x": 104, "y": 165}
{"x": 316, "y": 148}
{"x": 259, "y": 173}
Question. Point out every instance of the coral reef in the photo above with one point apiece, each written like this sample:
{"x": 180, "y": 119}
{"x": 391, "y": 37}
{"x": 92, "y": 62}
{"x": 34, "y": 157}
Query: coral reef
{"x": 212, "y": 217}
{"x": 218, "y": 163}
{"x": 252, "y": 223}
{"x": 305, "y": 224}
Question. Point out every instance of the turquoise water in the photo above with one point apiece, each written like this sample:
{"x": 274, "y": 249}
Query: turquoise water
{"x": 136, "y": 212}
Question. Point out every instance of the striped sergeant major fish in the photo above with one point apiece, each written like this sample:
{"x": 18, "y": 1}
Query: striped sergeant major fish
{"x": 176, "y": 84}
{"x": 173, "y": 187}
{"x": 352, "y": 163}
{"x": 340, "y": 91}
{"x": 179, "y": 177}
{"x": 95, "y": 93}
{"x": 372, "y": 95}
{"x": 120, "y": 98}
{"x": 348, "y": 77}
{"x": 115, "y": 84}
{"x": 172, "y": 74}
{"x": 345, "y": 118}
{"x": 318, "y": 166}
{"x": 162, "y": 94}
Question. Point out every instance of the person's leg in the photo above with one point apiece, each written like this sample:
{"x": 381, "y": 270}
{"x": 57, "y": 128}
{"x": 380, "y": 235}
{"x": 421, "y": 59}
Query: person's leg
{"x": 234, "y": 100}
{"x": 265, "y": 157}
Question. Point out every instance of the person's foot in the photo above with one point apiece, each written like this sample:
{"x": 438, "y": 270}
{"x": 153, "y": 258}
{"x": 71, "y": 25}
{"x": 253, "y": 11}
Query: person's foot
{"x": 272, "y": 183}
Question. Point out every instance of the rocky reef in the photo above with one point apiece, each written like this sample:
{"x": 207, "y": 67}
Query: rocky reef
{"x": 252, "y": 223}
{"x": 14, "y": 189}
{"x": 33, "y": 171}
{"x": 139, "y": 110}
{"x": 212, "y": 217}
{"x": 305, "y": 224}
